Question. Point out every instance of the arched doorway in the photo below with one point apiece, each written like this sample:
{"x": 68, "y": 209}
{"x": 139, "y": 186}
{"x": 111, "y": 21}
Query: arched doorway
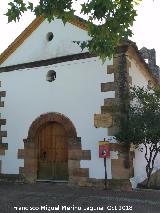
{"x": 52, "y": 151}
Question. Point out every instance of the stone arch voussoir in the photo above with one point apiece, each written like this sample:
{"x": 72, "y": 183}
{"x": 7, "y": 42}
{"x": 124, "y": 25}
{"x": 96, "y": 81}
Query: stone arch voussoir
{"x": 52, "y": 117}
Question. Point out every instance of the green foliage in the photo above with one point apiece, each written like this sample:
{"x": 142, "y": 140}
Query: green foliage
{"x": 115, "y": 17}
{"x": 18, "y": 7}
{"x": 141, "y": 125}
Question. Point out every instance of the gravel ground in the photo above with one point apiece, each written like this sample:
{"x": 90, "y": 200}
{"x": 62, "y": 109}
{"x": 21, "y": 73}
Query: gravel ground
{"x": 51, "y": 197}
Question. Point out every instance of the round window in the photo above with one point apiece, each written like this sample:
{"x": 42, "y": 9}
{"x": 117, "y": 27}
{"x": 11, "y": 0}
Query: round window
{"x": 50, "y": 36}
{"x": 51, "y": 75}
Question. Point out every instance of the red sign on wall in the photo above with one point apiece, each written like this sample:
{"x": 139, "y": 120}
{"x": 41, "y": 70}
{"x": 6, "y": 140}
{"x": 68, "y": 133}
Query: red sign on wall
{"x": 104, "y": 151}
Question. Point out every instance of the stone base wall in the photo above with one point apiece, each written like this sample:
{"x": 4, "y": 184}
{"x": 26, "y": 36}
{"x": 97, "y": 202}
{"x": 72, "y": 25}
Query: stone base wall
{"x": 119, "y": 184}
{"x": 122, "y": 184}
{"x": 11, "y": 178}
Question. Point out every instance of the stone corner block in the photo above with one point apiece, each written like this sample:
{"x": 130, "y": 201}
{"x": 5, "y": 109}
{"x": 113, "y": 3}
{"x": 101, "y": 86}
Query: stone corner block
{"x": 20, "y": 153}
{"x": 108, "y": 86}
{"x": 81, "y": 172}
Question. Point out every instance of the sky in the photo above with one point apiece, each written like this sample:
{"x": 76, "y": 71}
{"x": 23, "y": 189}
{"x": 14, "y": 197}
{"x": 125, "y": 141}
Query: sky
{"x": 146, "y": 28}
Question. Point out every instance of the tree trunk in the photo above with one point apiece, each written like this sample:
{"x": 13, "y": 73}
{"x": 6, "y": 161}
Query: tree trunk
{"x": 149, "y": 172}
{"x": 150, "y": 166}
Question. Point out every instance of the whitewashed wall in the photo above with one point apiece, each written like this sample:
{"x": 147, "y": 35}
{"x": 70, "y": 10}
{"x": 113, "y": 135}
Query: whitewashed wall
{"x": 140, "y": 78}
{"x": 37, "y": 47}
{"x": 76, "y": 93}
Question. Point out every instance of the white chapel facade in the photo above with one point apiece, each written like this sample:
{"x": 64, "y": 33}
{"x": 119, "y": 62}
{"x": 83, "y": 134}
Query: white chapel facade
{"x": 51, "y": 95}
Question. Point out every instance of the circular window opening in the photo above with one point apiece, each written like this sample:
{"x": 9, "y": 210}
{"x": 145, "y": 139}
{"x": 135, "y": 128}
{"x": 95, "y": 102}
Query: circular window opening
{"x": 51, "y": 75}
{"x": 50, "y": 36}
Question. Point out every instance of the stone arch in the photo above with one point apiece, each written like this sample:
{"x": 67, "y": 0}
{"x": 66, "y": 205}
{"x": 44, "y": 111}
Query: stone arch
{"x": 75, "y": 153}
{"x": 52, "y": 117}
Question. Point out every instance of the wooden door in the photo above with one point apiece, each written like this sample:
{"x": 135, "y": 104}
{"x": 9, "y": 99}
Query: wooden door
{"x": 52, "y": 152}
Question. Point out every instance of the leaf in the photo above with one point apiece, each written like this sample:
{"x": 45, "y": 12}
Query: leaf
{"x": 30, "y": 6}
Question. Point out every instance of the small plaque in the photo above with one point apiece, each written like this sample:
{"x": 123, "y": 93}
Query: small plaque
{"x": 102, "y": 120}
